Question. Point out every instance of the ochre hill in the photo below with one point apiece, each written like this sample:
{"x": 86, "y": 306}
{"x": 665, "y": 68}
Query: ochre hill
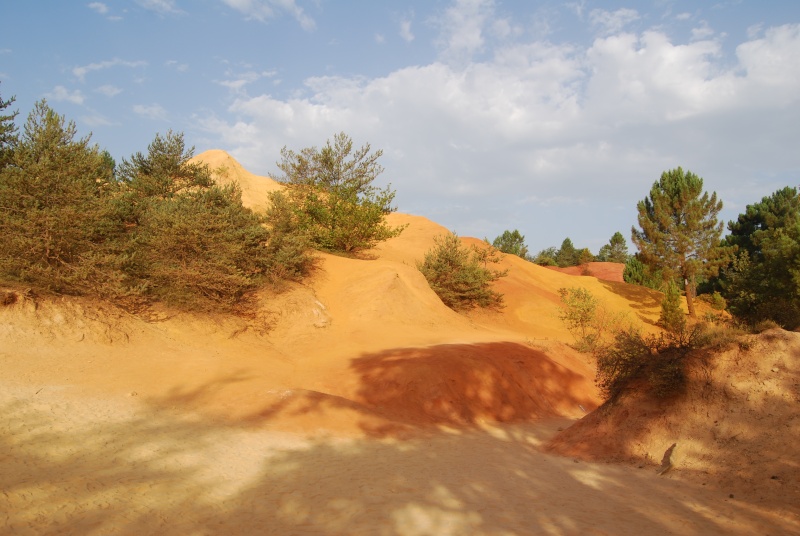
{"x": 289, "y": 421}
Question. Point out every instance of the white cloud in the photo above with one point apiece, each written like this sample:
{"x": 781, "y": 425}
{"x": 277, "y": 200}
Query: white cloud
{"x": 62, "y": 94}
{"x": 109, "y": 90}
{"x": 99, "y": 7}
{"x": 152, "y": 111}
{"x": 264, "y": 10}
{"x": 238, "y": 81}
{"x": 96, "y": 120}
{"x": 611, "y": 22}
{"x": 703, "y": 31}
{"x": 462, "y": 27}
{"x": 83, "y": 70}
{"x": 180, "y": 67}
{"x": 405, "y": 31}
{"x": 544, "y": 122}
{"x": 379, "y": 38}
{"x": 160, "y": 6}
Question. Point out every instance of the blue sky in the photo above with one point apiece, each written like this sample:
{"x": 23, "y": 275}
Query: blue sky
{"x": 553, "y": 118}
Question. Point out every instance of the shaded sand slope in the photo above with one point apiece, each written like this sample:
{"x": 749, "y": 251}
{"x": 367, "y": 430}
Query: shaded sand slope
{"x": 736, "y": 427}
{"x": 354, "y": 402}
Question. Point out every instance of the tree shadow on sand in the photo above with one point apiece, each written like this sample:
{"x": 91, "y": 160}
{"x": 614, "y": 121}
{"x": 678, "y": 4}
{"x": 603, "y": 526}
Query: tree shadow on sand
{"x": 453, "y": 385}
{"x": 151, "y": 472}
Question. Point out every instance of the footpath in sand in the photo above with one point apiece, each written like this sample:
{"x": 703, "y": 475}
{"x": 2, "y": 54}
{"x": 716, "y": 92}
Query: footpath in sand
{"x": 354, "y": 403}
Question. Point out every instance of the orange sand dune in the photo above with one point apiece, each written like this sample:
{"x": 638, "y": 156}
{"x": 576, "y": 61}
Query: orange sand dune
{"x": 352, "y": 403}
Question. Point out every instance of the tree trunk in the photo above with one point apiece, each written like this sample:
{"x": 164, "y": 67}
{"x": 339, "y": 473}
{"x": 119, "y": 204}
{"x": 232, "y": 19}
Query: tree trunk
{"x": 689, "y": 288}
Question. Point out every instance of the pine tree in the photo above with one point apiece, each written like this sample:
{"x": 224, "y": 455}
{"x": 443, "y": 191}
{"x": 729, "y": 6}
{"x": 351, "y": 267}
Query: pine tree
{"x": 615, "y": 251}
{"x": 332, "y": 195}
{"x": 679, "y": 230}
{"x": 764, "y": 280}
{"x": 8, "y": 132}
{"x": 512, "y": 242}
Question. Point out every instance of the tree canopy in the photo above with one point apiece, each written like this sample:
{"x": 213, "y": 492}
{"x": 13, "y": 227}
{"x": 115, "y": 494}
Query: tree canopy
{"x": 8, "y": 131}
{"x": 615, "y": 251}
{"x": 512, "y": 242}
{"x": 331, "y": 195}
{"x": 763, "y": 281}
{"x": 679, "y": 231}
{"x": 159, "y": 229}
{"x": 460, "y": 275}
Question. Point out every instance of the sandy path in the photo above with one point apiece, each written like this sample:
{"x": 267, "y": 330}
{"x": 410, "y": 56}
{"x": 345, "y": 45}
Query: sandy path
{"x": 84, "y": 465}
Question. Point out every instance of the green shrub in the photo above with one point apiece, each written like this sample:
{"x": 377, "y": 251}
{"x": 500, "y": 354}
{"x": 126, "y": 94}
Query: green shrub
{"x": 158, "y": 229}
{"x": 578, "y": 313}
{"x": 672, "y": 318}
{"x": 622, "y": 361}
{"x": 331, "y": 194}
{"x": 587, "y": 319}
{"x": 460, "y": 275}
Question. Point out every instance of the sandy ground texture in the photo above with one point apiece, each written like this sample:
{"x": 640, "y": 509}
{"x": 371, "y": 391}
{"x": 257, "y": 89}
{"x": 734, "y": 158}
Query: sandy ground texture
{"x": 356, "y": 403}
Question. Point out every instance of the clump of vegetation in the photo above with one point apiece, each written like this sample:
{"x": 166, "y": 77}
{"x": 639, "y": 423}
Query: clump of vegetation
{"x": 330, "y": 196}
{"x": 579, "y": 313}
{"x": 679, "y": 232}
{"x": 615, "y": 251}
{"x": 586, "y": 318}
{"x": 625, "y": 356}
{"x": 512, "y": 243}
{"x": 156, "y": 229}
{"x": 638, "y": 273}
{"x": 461, "y": 275}
{"x": 762, "y": 281}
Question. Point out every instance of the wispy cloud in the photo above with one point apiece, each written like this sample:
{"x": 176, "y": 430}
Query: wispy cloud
{"x": 62, "y": 94}
{"x": 610, "y": 22}
{"x": 462, "y": 28}
{"x": 405, "y": 31}
{"x": 83, "y": 70}
{"x": 99, "y": 7}
{"x": 163, "y": 7}
{"x": 152, "y": 111}
{"x": 178, "y": 66}
{"x": 108, "y": 90}
{"x": 265, "y": 10}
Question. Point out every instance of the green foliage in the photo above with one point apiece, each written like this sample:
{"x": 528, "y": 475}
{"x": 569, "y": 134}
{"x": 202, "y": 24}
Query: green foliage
{"x": 585, "y": 257}
{"x": 546, "y": 257}
{"x": 331, "y": 194}
{"x": 460, "y": 275}
{"x": 567, "y": 255}
{"x": 190, "y": 242}
{"x": 763, "y": 281}
{"x": 672, "y": 318}
{"x": 679, "y": 230}
{"x": 511, "y": 242}
{"x": 615, "y": 251}
{"x": 52, "y": 209}
{"x": 638, "y": 273}
{"x": 163, "y": 231}
{"x": 657, "y": 361}
{"x": 8, "y": 132}
{"x": 578, "y": 312}
{"x": 715, "y": 300}
{"x": 586, "y": 318}
{"x": 619, "y": 363}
